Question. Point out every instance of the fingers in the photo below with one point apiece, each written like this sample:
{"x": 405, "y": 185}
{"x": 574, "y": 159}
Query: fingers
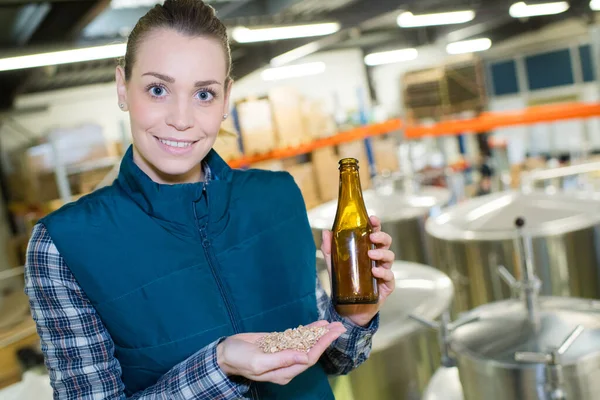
{"x": 386, "y": 275}
{"x": 376, "y": 222}
{"x": 385, "y": 257}
{"x": 318, "y": 323}
{"x": 381, "y": 239}
{"x": 326, "y": 249}
{"x": 265, "y": 362}
{"x": 326, "y": 243}
{"x": 336, "y": 329}
{"x": 282, "y": 376}
{"x": 289, "y": 370}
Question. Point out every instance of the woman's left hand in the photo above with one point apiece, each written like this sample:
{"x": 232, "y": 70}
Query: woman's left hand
{"x": 362, "y": 314}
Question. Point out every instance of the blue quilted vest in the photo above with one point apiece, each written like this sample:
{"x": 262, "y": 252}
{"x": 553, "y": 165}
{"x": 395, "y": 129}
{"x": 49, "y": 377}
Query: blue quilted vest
{"x": 171, "y": 268}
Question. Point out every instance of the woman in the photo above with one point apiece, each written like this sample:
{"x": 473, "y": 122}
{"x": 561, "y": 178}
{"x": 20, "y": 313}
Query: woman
{"x": 159, "y": 285}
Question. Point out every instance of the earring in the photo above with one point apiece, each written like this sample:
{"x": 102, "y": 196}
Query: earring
{"x": 225, "y": 116}
{"x": 121, "y": 105}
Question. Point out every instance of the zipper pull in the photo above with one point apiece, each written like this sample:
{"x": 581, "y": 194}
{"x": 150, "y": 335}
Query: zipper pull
{"x": 205, "y": 241}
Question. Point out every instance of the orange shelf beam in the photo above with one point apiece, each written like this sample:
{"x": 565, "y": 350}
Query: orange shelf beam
{"x": 493, "y": 120}
{"x": 484, "y": 122}
{"x": 342, "y": 137}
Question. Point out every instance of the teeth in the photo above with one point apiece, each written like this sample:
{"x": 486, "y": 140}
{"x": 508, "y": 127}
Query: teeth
{"x": 175, "y": 144}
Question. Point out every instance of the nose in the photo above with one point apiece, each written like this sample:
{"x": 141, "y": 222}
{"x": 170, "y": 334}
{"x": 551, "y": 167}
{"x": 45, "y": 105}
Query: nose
{"x": 181, "y": 116}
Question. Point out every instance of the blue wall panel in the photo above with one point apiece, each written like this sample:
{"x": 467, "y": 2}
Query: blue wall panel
{"x": 548, "y": 70}
{"x": 504, "y": 77}
{"x": 587, "y": 65}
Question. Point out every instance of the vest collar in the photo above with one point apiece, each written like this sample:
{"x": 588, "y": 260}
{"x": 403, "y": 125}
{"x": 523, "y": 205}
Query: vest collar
{"x": 179, "y": 205}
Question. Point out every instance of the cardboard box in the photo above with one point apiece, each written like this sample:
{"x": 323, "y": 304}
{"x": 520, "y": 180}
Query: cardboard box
{"x": 327, "y": 176}
{"x": 10, "y": 367}
{"x": 317, "y": 121}
{"x": 286, "y": 104}
{"x": 304, "y": 176}
{"x": 385, "y": 151}
{"x": 256, "y": 126}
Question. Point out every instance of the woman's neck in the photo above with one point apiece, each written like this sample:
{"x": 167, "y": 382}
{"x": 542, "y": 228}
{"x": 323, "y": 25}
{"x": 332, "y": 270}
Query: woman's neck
{"x": 194, "y": 175}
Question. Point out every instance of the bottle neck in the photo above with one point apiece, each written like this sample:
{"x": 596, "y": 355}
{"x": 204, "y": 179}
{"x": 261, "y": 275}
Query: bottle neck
{"x": 350, "y": 188}
{"x": 350, "y": 200}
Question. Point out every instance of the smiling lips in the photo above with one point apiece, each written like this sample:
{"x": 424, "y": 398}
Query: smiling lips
{"x": 176, "y": 146}
{"x": 176, "y": 143}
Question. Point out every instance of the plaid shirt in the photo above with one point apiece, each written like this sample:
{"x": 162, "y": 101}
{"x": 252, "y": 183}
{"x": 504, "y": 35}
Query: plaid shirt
{"x": 79, "y": 351}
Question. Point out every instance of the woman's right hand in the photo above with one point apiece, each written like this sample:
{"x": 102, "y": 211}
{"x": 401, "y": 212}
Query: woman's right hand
{"x": 239, "y": 355}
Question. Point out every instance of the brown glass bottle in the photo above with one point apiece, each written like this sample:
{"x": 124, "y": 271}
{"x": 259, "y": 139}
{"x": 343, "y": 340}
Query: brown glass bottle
{"x": 351, "y": 268}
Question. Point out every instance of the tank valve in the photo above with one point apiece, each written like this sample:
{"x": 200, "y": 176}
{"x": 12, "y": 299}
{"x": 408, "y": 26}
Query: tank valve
{"x": 444, "y": 329}
{"x": 529, "y": 285}
{"x": 555, "y": 379}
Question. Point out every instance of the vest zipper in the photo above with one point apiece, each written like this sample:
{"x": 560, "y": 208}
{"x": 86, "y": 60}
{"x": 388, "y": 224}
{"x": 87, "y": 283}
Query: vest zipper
{"x": 211, "y": 263}
{"x": 209, "y": 257}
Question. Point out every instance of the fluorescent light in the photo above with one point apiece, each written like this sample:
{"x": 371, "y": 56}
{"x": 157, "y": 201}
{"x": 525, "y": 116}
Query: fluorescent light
{"x": 295, "y": 54}
{"x": 409, "y": 20}
{"x": 242, "y": 34}
{"x": 293, "y": 71}
{"x": 63, "y": 57}
{"x": 469, "y": 46}
{"x": 390, "y": 57}
{"x": 595, "y": 5}
{"x": 116, "y": 4}
{"x": 523, "y": 10}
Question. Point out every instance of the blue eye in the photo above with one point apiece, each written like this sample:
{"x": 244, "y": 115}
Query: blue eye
{"x": 205, "y": 95}
{"x": 157, "y": 91}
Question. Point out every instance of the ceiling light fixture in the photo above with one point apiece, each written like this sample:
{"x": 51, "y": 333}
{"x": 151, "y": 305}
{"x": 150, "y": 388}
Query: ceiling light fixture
{"x": 117, "y": 4}
{"x": 595, "y": 5}
{"x": 409, "y": 20}
{"x": 242, "y": 34}
{"x": 295, "y": 54}
{"x": 293, "y": 71}
{"x": 63, "y": 57}
{"x": 390, "y": 57}
{"x": 524, "y": 10}
{"x": 469, "y": 46}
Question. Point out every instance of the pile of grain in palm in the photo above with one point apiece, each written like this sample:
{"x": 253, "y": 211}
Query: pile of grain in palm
{"x": 301, "y": 339}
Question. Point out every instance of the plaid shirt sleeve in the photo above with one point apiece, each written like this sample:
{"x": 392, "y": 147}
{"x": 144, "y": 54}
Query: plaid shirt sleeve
{"x": 353, "y": 347}
{"x": 79, "y": 351}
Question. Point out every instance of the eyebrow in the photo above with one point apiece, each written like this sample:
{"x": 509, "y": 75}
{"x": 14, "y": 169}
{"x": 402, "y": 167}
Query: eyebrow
{"x": 169, "y": 79}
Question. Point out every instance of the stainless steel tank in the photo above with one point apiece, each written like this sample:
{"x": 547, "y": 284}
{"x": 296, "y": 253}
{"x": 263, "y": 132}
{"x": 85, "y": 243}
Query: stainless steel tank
{"x": 403, "y": 217}
{"x": 404, "y": 355}
{"x": 469, "y": 240}
{"x": 444, "y": 385}
{"x": 500, "y": 357}
{"x": 530, "y": 347}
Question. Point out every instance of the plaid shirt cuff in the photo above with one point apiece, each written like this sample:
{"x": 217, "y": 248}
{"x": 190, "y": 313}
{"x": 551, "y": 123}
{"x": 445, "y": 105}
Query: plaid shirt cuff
{"x": 212, "y": 381}
{"x": 352, "y": 348}
{"x": 353, "y": 329}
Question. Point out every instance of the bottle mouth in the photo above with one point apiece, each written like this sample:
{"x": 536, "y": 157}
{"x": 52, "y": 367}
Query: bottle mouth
{"x": 348, "y": 162}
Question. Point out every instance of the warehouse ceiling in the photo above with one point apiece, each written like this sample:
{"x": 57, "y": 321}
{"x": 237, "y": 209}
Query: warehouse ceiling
{"x": 30, "y": 26}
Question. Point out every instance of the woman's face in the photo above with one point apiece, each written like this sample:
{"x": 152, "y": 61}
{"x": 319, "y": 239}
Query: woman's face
{"x": 176, "y": 98}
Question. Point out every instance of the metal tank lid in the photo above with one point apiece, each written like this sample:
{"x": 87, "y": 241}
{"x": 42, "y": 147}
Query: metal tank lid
{"x": 492, "y": 217}
{"x": 386, "y": 205}
{"x": 420, "y": 290}
{"x": 503, "y": 330}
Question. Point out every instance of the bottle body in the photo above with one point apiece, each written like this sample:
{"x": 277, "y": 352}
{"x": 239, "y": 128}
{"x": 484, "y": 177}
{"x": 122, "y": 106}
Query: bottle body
{"x": 351, "y": 268}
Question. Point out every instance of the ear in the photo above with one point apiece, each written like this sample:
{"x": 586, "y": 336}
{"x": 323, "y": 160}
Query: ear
{"x": 121, "y": 87}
